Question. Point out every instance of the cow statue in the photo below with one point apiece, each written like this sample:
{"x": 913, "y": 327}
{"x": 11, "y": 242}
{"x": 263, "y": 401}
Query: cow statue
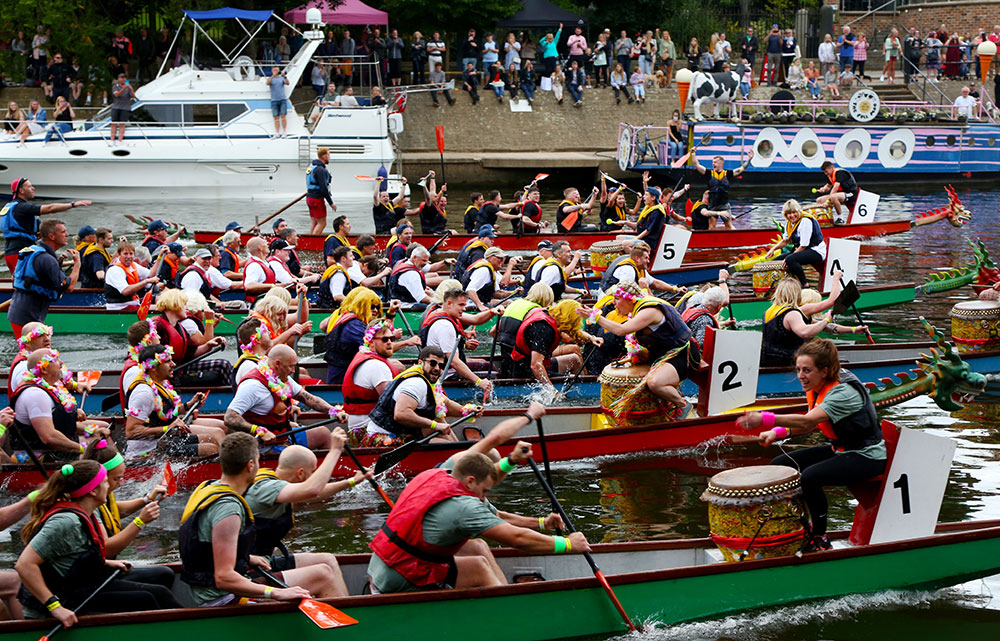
{"x": 718, "y": 87}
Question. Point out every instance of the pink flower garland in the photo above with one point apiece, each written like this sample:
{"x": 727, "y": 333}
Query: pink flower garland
{"x": 37, "y": 332}
{"x": 254, "y": 340}
{"x": 280, "y": 388}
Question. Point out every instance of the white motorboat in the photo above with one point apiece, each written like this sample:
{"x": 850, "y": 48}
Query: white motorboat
{"x": 202, "y": 131}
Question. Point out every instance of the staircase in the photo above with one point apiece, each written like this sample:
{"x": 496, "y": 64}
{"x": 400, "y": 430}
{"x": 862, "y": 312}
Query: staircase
{"x": 894, "y": 92}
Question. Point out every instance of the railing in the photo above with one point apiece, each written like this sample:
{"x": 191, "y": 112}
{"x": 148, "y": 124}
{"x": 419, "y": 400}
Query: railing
{"x": 939, "y": 97}
{"x": 188, "y": 130}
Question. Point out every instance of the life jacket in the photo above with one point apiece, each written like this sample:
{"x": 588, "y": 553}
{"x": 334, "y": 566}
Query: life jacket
{"x": 559, "y": 288}
{"x": 385, "y": 217}
{"x": 396, "y": 254}
{"x": 469, "y": 219}
{"x": 63, "y": 421}
{"x": 313, "y": 185}
{"x": 129, "y": 364}
{"x": 233, "y": 255}
{"x": 537, "y": 216}
{"x": 698, "y": 219}
{"x": 691, "y": 313}
{"x": 779, "y": 343}
{"x": 510, "y": 322}
{"x": 89, "y": 279}
{"x": 279, "y": 418}
{"x": 815, "y": 239}
{"x": 152, "y": 243}
{"x": 847, "y": 182}
{"x": 425, "y": 329}
{"x": 398, "y": 291}
{"x": 487, "y": 291}
{"x": 521, "y": 349}
{"x": 325, "y": 298}
{"x": 206, "y": 289}
{"x": 671, "y": 333}
{"x": 400, "y": 542}
{"x": 110, "y": 515}
{"x": 644, "y": 221}
{"x": 87, "y": 571}
{"x": 11, "y": 228}
{"x": 360, "y": 400}
{"x": 198, "y": 557}
{"x": 269, "y": 278}
{"x": 18, "y": 358}
{"x": 608, "y": 281}
{"x": 339, "y": 353}
{"x": 468, "y": 255}
{"x": 613, "y": 213}
{"x": 266, "y": 322}
{"x": 26, "y": 277}
{"x": 383, "y": 414}
{"x": 269, "y": 532}
{"x": 154, "y": 418}
{"x": 432, "y": 219}
{"x": 718, "y": 187}
{"x": 855, "y": 431}
{"x": 244, "y": 357}
{"x": 175, "y": 336}
{"x": 112, "y": 295}
{"x": 530, "y": 280}
{"x": 169, "y": 269}
{"x": 337, "y": 241}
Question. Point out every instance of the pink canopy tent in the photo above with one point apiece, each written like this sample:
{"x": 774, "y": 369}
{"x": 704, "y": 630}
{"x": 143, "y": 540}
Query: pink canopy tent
{"x": 349, "y": 12}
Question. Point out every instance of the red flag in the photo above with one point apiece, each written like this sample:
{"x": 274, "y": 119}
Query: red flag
{"x": 169, "y": 480}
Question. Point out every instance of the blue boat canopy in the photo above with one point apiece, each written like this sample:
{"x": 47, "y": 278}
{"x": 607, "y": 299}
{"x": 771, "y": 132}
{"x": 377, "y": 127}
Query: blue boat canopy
{"x": 228, "y": 13}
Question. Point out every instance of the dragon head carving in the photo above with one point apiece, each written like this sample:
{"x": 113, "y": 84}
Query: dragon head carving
{"x": 988, "y": 272}
{"x": 958, "y": 214}
{"x": 953, "y": 383}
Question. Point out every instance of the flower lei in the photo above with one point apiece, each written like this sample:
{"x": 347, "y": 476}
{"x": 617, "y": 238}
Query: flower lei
{"x": 594, "y": 314}
{"x": 280, "y": 388}
{"x": 254, "y": 340}
{"x": 175, "y": 399}
{"x": 440, "y": 401}
{"x": 133, "y": 350}
{"x": 59, "y": 388}
{"x": 37, "y": 332}
{"x": 373, "y": 329}
{"x": 623, "y": 294}
{"x": 632, "y": 346}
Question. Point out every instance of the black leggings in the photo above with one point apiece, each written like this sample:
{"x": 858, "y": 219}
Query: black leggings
{"x": 795, "y": 261}
{"x": 822, "y": 467}
{"x": 130, "y": 596}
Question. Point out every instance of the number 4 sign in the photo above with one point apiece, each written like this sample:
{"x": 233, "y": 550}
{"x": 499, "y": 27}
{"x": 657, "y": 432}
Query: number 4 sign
{"x": 841, "y": 254}
{"x": 734, "y": 365}
{"x": 864, "y": 209}
{"x": 669, "y": 252}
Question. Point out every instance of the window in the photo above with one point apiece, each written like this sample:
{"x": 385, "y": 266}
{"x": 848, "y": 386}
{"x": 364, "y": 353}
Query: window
{"x": 991, "y": 141}
{"x": 765, "y": 149}
{"x": 930, "y": 141}
{"x": 897, "y": 149}
{"x": 157, "y": 114}
{"x": 809, "y": 149}
{"x": 229, "y": 112}
{"x": 730, "y": 139}
{"x": 854, "y": 149}
{"x": 951, "y": 141}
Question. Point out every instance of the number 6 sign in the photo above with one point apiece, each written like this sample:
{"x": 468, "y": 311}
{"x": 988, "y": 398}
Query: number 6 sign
{"x": 669, "y": 252}
{"x": 864, "y": 208}
{"x": 734, "y": 365}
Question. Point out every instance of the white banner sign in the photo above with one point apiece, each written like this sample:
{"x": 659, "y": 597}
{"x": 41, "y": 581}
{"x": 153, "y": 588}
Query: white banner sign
{"x": 732, "y": 377}
{"x": 914, "y": 487}
{"x": 669, "y": 252}
{"x": 864, "y": 209}
{"x": 841, "y": 254}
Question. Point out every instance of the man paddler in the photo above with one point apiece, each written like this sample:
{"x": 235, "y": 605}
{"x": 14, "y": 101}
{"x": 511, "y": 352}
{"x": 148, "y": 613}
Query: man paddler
{"x": 572, "y": 209}
{"x": 473, "y": 250}
{"x": 297, "y": 479}
{"x": 95, "y": 259}
{"x": 444, "y": 328}
{"x": 34, "y": 336}
{"x": 633, "y": 266}
{"x": 262, "y": 404}
{"x": 840, "y": 191}
{"x": 258, "y": 276}
{"x": 369, "y": 373}
{"x": 719, "y": 180}
{"x": 217, "y": 531}
{"x": 545, "y": 343}
{"x": 254, "y": 342}
{"x": 555, "y": 271}
{"x": 483, "y": 279}
{"x": 408, "y": 280}
{"x": 126, "y": 280}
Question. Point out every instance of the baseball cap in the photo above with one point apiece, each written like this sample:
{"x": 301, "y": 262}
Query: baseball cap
{"x": 487, "y": 230}
{"x": 86, "y": 230}
{"x": 156, "y": 225}
{"x": 654, "y": 192}
{"x": 177, "y": 248}
{"x": 495, "y": 251}
{"x": 233, "y": 225}
{"x": 14, "y": 186}
{"x": 275, "y": 224}
{"x": 203, "y": 253}
{"x": 280, "y": 243}
{"x": 545, "y": 244}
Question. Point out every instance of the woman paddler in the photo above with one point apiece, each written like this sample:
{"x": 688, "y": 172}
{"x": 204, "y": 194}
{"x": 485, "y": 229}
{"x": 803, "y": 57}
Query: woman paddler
{"x": 787, "y": 322}
{"x": 803, "y": 232}
{"x": 64, "y": 560}
{"x": 839, "y": 406}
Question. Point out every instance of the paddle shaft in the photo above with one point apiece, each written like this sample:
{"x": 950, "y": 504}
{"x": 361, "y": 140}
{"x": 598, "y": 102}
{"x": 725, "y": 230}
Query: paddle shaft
{"x": 857, "y": 315}
{"x": 438, "y": 242}
{"x": 372, "y": 482}
{"x": 620, "y": 183}
{"x": 572, "y": 381}
{"x": 406, "y": 324}
{"x": 114, "y": 575}
{"x": 393, "y": 457}
{"x": 299, "y": 319}
{"x": 16, "y": 431}
{"x": 257, "y": 225}
{"x": 587, "y": 555}
{"x": 545, "y": 459}
{"x": 303, "y": 428}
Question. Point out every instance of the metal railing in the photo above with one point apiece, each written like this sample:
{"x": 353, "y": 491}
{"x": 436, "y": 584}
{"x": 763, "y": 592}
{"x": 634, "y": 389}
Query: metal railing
{"x": 939, "y": 97}
{"x": 103, "y": 127}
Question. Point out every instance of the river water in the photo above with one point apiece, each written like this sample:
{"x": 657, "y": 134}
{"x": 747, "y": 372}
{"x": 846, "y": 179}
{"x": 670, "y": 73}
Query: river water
{"x": 655, "y": 496}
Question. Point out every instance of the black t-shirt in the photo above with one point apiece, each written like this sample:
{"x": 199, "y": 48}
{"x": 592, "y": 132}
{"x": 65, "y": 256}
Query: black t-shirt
{"x": 847, "y": 183}
{"x": 27, "y": 307}
{"x": 561, "y": 215}
{"x": 539, "y": 338}
{"x": 25, "y": 215}
{"x": 487, "y": 215}
{"x": 386, "y": 217}
{"x": 698, "y": 219}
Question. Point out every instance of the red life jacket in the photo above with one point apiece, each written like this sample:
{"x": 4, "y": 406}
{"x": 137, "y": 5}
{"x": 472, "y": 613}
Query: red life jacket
{"x": 129, "y": 363}
{"x": 278, "y": 418}
{"x": 175, "y": 336}
{"x": 10, "y": 373}
{"x": 269, "y": 278}
{"x": 400, "y": 543}
{"x": 361, "y": 400}
{"x": 521, "y": 350}
{"x": 692, "y": 313}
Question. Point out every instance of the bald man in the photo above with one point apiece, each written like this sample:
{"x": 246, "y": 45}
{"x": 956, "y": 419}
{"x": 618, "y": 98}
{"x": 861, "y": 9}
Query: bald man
{"x": 258, "y": 276}
{"x": 34, "y": 336}
{"x": 297, "y": 479}
{"x": 257, "y": 410}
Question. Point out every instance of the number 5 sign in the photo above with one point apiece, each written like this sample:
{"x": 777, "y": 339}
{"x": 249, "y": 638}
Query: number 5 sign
{"x": 864, "y": 209}
{"x": 734, "y": 364}
{"x": 669, "y": 252}
{"x": 841, "y": 254}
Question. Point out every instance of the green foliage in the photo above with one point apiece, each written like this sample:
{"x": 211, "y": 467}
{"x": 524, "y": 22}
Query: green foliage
{"x": 453, "y": 16}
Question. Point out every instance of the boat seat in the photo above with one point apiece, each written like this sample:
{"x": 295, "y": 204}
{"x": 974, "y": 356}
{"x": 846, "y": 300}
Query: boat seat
{"x": 868, "y": 493}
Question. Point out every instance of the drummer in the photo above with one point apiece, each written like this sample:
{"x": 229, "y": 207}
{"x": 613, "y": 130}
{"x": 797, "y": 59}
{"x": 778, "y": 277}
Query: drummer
{"x": 803, "y": 231}
{"x": 839, "y": 406}
{"x": 841, "y": 190}
{"x": 633, "y": 267}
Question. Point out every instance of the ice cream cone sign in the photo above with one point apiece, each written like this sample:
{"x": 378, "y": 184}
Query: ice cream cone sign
{"x": 986, "y": 50}
{"x": 683, "y": 78}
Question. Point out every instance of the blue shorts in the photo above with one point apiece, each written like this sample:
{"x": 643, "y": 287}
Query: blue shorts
{"x": 279, "y": 108}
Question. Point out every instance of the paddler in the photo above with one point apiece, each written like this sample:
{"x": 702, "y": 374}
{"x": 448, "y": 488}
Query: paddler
{"x": 538, "y": 297}
{"x": 258, "y": 276}
{"x": 262, "y": 404}
{"x": 445, "y": 328}
{"x": 34, "y": 336}
{"x": 472, "y": 212}
{"x": 126, "y": 280}
{"x": 255, "y": 342}
{"x": 336, "y": 281}
{"x": 157, "y": 235}
{"x": 370, "y": 371}
{"x": 702, "y": 218}
{"x": 19, "y": 219}
{"x": 202, "y": 277}
{"x": 534, "y": 268}
{"x": 229, "y": 255}
{"x": 633, "y": 267}
{"x": 95, "y": 259}
{"x": 154, "y": 412}
{"x": 840, "y": 407}
{"x": 719, "y": 180}
{"x": 339, "y": 237}
{"x": 658, "y": 327}
{"x": 200, "y": 325}
{"x": 282, "y": 324}
{"x": 615, "y": 213}
{"x": 483, "y": 280}
{"x": 396, "y": 251}
{"x": 170, "y": 265}
{"x": 10, "y": 581}
{"x": 297, "y": 480}
{"x": 474, "y": 250}
{"x": 572, "y": 203}
{"x": 530, "y": 219}
{"x": 652, "y": 217}
{"x": 424, "y": 542}
{"x": 172, "y": 305}
{"x": 555, "y": 271}
{"x": 85, "y": 237}
{"x": 388, "y": 212}
{"x": 217, "y": 531}
{"x": 280, "y": 253}
{"x": 788, "y": 324}
{"x": 492, "y": 210}
{"x": 294, "y": 264}
{"x": 408, "y": 280}
{"x": 545, "y": 343}
{"x": 433, "y": 211}
{"x": 140, "y": 334}
{"x": 803, "y": 231}
{"x": 39, "y": 279}
{"x": 841, "y": 190}
{"x": 64, "y": 560}
{"x": 700, "y": 317}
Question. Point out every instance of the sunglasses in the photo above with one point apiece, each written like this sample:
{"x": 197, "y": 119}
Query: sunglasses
{"x": 384, "y": 339}
{"x": 435, "y": 364}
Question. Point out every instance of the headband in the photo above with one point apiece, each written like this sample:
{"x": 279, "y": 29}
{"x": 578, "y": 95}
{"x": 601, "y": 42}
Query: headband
{"x": 114, "y": 461}
{"x": 52, "y": 355}
{"x": 623, "y": 294}
{"x": 158, "y": 359}
{"x": 37, "y": 332}
{"x": 87, "y": 487}
{"x": 373, "y": 329}
{"x": 254, "y": 339}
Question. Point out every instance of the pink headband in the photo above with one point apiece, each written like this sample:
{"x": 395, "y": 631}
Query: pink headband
{"x": 87, "y": 487}
{"x": 624, "y": 295}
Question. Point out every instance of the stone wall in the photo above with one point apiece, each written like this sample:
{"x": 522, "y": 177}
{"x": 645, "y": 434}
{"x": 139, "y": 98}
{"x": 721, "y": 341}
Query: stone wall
{"x": 964, "y": 16}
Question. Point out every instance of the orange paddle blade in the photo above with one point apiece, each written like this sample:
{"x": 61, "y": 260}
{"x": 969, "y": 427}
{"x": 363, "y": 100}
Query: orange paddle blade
{"x": 366, "y": 178}
{"x": 541, "y": 177}
{"x": 688, "y": 206}
{"x": 324, "y": 615}
{"x": 439, "y": 134}
{"x": 169, "y": 480}
{"x": 91, "y": 376}
{"x": 143, "y": 310}
{"x": 570, "y": 220}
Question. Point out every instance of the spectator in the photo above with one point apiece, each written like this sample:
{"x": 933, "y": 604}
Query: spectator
{"x": 491, "y": 52}
{"x": 912, "y": 50}
{"x": 377, "y": 99}
{"x": 789, "y": 51}
{"x": 707, "y": 62}
{"x": 328, "y": 48}
{"x": 558, "y": 83}
{"x": 12, "y": 119}
{"x": 812, "y": 80}
{"x": 60, "y": 76}
{"x": 575, "y": 83}
{"x": 720, "y": 55}
{"x": 749, "y": 46}
{"x": 470, "y": 50}
{"x": 122, "y": 93}
{"x": 600, "y": 60}
{"x": 772, "y": 65}
{"x": 860, "y": 57}
{"x": 675, "y": 138}
{"x": 348, "y": 49}
{"x": 63, "y": 116}
{"x": 550, "y": 51}
{"x": 952, "y": 56}
{"x": 830, "y": 79}
{"x": 163, "y": 47}
{"x": 693, "y": 54}
{"x": 528, "y": 80}
{"x": 377, "y": 48}
{"x": 892, "y": 51}
{"x": 39, "y": 52}
{"x": 846, "y": 79}
{"x": 435, "y": 50}
{"x": 647, "y": 54}
{"x": 933, "y": 61}
{"x": 279, "y": 103}
{"x": 347, "y": 99}
{"x": 470, "y": 81}
{"x": 76, "y": 84}
{"x": 638, "y": 82}
{"x": 512, "y": 54}
{"x": 623, "y": 51}
{"x": 282, "y": 52}
{"x": 827, "y": 54}
{"x": 668, "y": 53}
{"x": 395, "y": 46}
{"x": 846, "y": 45}
{"x": 319, "y": 78}
{"x": 495, "y": 78}
{"x": 121, "y": 47}
{"x": 965, "y": 105}
{"x": 620, "y": 82}
{"x": 577, "y": 46}
{"x": 746, "y": 81}
{"x": 18, "y": 45}
{"x": 418, "y": 56}
{"x": 437, "y": 77}
{"x": 528, "y": 48}
{"x": 796, "y": 77}
{"x": 33, "y": 123}
{"x": 145, "y": 50}
{"x": 510, "y": 81}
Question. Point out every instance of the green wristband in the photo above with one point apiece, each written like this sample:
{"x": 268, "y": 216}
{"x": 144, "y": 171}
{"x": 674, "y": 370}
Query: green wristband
{"x": 506, "y": 466}
{"x": 560, "y": 544}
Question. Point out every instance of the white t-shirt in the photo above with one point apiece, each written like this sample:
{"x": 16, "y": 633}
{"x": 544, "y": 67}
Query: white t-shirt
{"x": 33, "y": 402}
{"x": 623, "y": 273}
{"x": 254, "y": 396}
{"x": 190, "y": 326}
{"x": 192, "y": 281}
{"x": 115, "y": 276}
{"x": 965, "y": 106}
{"x": 551, "y": 275}
{"x": 140, "y": 406}
{"x": 533, "y": 272}
{"x": 254, "y": 273}
{"x": 415, "y": 388}
{"x": 244, "y": 369}
{"x": 346, "y": 101}
{"x": 805, "y": 234}
{"x": 442, "y": 335}
{"x": 411, "y": 281}
{"x": 281, "y": 273}
{"x": 480, "y": 277}
{"x": 368, "y": 375}
{"x": 435, "y": 56}
{"x": 131, "y": 374}
{"x": 18, "y": 373}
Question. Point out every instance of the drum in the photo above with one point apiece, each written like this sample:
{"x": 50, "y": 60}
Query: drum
{"x": 757, "y": 511}
{"x": 766, "y": 275}
{"x": 603, "y": 252}
{"x": 975, "y": 325}
{"x": 646, "y": 409}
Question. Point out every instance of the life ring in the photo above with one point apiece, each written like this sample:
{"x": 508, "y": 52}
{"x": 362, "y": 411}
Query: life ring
{"x": 888, "y": 157}
{"x": 243, "y": 68}
{"x": 846, "y": 154}
{"x": 624, "y": 148}
{"x": 767, "y": 147}
{"x": 806, "y": 140}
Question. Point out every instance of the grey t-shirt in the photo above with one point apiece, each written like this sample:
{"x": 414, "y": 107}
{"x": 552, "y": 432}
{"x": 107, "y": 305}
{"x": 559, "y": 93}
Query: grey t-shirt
{"x": 60, "y": 542}
{"x": 124, "y": 101}
{"x": 840, "y": 402}
{"x": 263, "y": 498}
{"x": 223, "y": 507}
{"x": 277, "y": 88}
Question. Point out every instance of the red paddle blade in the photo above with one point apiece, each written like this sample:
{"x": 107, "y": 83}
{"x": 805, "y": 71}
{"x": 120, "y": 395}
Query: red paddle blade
{"x": 439, "y": 134}
{"x": 325, "y": 616}
{"x": 143, "y": 310}
{"x": 169, "y": 480}
{"x": 688, "y": 206}
{"x": 541, "y": 177}
{"x": 570, "y": 220}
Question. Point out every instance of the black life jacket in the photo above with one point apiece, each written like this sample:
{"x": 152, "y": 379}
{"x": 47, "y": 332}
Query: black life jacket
{"x": 198, "y": 557}
{"x": 608, "y": 281}
{"x": 671, "y": 333}
{"x": 63, "y": 421}
{"x": 340, "y": 353}
{"x": 469, "y": 219}
{"x": 383, "y": 415}
{"x": 855, "y": 431}
{"x": 325, "y": 298}
{"x": 718, "y": 188}
{"x": 779, "y": 344}
{"x": 269, "y": 532}
{"x": 470, "y": 253}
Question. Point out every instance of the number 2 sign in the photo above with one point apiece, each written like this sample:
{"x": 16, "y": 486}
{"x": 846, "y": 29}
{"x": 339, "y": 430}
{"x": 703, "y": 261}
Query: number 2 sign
{"x": 669, "y": 252}
{"x": 734, "y": 365}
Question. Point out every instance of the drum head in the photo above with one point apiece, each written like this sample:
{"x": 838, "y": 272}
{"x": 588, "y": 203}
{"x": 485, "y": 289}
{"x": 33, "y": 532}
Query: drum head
{"x": 979, "y": 306}
{"x": 780, "y": 97}
{"x": 753, "y": 477}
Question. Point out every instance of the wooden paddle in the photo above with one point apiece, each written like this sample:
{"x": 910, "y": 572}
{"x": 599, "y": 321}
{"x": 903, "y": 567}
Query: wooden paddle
{"x": 322, "y": 614}
{"x": 372, "y": 482}
{"x": 394, "y": 457}
{"x": 677, "y": 164}
{"x": 256, "y": 228}
{"x": 114, "y": 575}
{"x": 587, "y": 555}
